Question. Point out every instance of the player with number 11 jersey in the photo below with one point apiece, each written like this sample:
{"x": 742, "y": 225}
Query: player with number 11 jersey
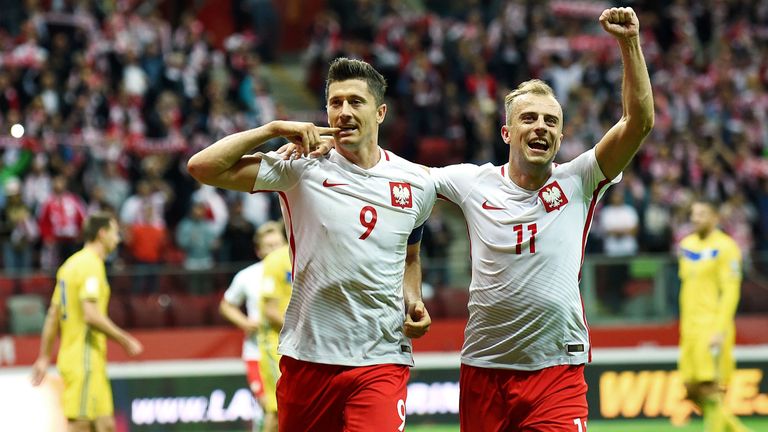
{"x": 526, "y": 314}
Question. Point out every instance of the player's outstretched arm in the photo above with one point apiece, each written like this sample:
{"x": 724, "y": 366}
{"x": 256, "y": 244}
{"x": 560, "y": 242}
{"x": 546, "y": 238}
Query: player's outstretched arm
{"x": 102, "y": 323}
{"x": 619, "y": 145}
{"x": 47, "y": 338}
{"x": 228, "y": 164}
{"x": 417, "y": 319}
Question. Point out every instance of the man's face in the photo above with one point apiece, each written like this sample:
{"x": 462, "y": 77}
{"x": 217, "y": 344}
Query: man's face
{"x": 110, "y": 236}
{"x": 352, "y": 108}
{"x": 703, "y": 218}
{"x": 535, "y": 128}
{"x": 269, "y": 243}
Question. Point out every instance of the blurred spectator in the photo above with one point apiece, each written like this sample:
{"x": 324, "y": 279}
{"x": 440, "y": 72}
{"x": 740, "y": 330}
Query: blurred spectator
{"x": 216, "y": 210}
{"x": 146, "y": 241}
{"x": 60, "y": 218}
{"x": 196, "y": 236}
{"x": 236, "y": 241}
{"x": 18, "y": 230}
{"x": 37, "y": 185}
{"x": 619, "y": 224}
{"x": 436, "y": 243}
{"x": 134, "y": 207}
{"x": 656, "y": 236}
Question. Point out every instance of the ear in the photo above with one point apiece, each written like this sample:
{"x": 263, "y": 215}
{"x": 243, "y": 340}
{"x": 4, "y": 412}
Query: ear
{"x": 505, "y": 133}
{"x": 381, "y": 112}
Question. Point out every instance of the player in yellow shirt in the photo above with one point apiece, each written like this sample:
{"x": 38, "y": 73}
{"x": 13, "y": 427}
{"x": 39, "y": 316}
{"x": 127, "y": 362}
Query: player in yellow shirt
{"x": 710, "y": 273}
{"x": 275, "y": 295}
{"x": 78, "y": 312}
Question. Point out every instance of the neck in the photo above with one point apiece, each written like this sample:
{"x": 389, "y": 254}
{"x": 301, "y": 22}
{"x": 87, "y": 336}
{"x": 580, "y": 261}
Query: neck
{"x": 704, "y": 234}
{"x": 528, "y": 176}
{"x": 364, "y": 156}
{"x": 96, "y": 248}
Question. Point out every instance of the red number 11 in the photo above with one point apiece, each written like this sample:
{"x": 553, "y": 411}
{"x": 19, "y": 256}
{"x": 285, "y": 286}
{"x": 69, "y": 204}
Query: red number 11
{"x": 532, "y": 241}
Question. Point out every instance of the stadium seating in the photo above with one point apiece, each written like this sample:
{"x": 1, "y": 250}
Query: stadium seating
{"x": 191, "y": 310}
{"x": 38, "y": 283}
{"x": 118, "y": 311}
{"x": 27, "y": 313}
{"x": 149, "y": 311}
{"x": 454, "y": 302}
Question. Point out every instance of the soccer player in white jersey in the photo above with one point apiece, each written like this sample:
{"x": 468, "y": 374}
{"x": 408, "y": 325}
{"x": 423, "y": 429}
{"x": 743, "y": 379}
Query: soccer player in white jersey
{"x": 527, "y": 339}
{"x": 354, "y": 227}
{"x": 246, "y": 289}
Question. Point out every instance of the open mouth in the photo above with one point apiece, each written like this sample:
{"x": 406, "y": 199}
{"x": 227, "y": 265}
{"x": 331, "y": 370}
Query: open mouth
{"x": 346, "y": 130}
{"x": 539, "y": 145}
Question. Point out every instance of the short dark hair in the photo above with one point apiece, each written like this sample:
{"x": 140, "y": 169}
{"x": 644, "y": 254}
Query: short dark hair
{"x": 95, "y": 223}
{"x": 343, "y": 69}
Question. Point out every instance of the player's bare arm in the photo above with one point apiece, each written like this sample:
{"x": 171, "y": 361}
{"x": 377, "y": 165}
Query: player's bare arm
{"x": 229, "y": 164}
{"x": 50, "y": 331}
{"x": 272, "y": 313}
{"x": 417, "y": 319}
{"x": 102, "y": 323}
{"x": 234, "y": 315}
{"x": 619, "y": 145}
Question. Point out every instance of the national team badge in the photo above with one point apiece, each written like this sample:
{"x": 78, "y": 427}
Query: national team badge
{"x": 401, "y": 194}
{"x": 553, "y": 197}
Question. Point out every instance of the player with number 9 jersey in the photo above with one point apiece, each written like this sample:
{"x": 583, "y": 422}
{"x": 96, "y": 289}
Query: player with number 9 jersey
{"x": 348, "y": 229}
{"x": 354, "y": 221}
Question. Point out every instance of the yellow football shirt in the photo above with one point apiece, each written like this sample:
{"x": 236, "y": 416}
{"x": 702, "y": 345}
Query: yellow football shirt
{"x": 276, "y": 282}
{"x": 710, "y": 273}
{"x": 276, "y": 285}
{"x": 81, "y": 277}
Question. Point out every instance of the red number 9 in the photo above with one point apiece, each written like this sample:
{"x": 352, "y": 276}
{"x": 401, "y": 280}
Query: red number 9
{"x": 369, "y": 224}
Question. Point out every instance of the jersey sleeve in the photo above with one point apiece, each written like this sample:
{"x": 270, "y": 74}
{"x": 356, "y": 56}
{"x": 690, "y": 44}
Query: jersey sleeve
{"x": 430, "y": 196}
{"x": 729, "y": 281}
{"x": 276, "y": 174}
{"x": 586, "y": 166}
{"x": 91, "y": 273}
{"x": 235, "y": 294}
{"x": 454, "y": 182}
{"x": 91, "y": 288}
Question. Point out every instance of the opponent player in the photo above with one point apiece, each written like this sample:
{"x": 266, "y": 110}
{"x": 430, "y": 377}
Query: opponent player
{"x": 354, "y": 221}
{"x": 526, "y": 340}
{"x": 710, "y": 272}
{"x": 276, "y": 294}
{"x": 246, "y": 288}
{"x": 79, "y": 311}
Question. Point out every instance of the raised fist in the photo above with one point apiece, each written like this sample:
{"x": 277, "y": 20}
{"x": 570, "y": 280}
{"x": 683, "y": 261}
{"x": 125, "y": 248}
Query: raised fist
{"x": 620, "y": 22}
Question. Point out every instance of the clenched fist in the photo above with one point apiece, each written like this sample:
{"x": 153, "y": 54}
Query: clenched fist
{"x": 622, "y": 23}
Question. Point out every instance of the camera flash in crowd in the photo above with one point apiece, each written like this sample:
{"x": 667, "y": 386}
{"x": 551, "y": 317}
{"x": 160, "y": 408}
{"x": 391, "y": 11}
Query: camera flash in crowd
{"x": 17, "y": 131}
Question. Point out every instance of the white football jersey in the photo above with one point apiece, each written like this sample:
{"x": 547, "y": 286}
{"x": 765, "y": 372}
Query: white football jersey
{"x": 525, "y": 309}
{"x": 246, "y": 288}
{"x": 348, "y": 229}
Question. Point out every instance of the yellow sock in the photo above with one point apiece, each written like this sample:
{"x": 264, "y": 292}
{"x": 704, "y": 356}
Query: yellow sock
{"x": 733, "y": 424}
{"x": 714, "y": 414}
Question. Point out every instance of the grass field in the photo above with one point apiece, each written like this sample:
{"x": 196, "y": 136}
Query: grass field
{"x": 757, "y": 424}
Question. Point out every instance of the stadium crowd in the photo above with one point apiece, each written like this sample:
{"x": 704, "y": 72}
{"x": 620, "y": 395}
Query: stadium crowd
{"x": 113, "y": 98}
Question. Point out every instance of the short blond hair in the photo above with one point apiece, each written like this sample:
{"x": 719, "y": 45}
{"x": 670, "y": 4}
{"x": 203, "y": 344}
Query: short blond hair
{"x": 267, "y": 228}
{"x": 534, "y": 86}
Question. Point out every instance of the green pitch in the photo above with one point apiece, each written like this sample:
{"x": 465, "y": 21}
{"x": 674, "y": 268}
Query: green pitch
{"x": 756, "y": 424}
